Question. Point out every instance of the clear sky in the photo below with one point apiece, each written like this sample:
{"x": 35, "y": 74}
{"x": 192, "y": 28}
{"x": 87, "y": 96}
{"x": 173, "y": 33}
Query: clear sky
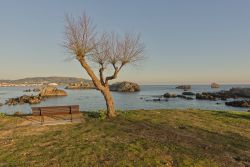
{"x": 194, "y": 41}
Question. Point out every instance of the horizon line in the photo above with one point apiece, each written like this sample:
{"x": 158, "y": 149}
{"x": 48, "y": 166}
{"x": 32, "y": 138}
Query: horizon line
{"x": 146, "y": 83}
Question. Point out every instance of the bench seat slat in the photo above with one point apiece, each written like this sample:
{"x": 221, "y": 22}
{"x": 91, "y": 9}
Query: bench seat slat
{"x": 55, "y": 110}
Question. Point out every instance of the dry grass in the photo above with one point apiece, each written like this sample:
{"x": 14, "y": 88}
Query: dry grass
{"x": 135, "y": 138}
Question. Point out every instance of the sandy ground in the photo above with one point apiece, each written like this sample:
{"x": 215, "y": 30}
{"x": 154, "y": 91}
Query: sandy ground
{"x": 50, "y": 120}
{"x": 32, "y": 124}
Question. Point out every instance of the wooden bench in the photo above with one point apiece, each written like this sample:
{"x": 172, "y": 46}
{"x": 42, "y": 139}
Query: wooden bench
{"x": 55, "y": 110}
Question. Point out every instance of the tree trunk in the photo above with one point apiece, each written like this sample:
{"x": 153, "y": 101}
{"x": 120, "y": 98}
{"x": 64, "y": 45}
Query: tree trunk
{"x": 109, "y": 103}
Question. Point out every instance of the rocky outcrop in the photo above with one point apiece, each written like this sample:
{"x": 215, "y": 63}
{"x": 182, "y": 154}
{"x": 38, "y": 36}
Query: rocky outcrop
{"x": 24, "y": 99}
{"x": 185, "y": 97}
{"x": 34, "y": 90}
{"x": 125, "y": 87}
{"x": 50, "y": 91}
{"x": 243, "y": 103}
{"x": 188, "y": 93}
{"x": 27, "y": 90}
{"x": 240, "y": 92}
{"x": 184, "y": 87}
{"x": 157, "y": 100}
{"x": 233, "y": 93}
{"x": 215, "y": 85}
{"x": 168, "y": 95}
{"x": 204, "y": 96}
{"x": 81, "y": 85}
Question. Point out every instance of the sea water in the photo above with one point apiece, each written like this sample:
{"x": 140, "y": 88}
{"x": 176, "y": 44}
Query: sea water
{"x": 92, "y": 100}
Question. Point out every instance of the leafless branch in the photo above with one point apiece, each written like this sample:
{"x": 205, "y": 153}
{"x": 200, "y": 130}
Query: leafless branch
{"x": 80, "y": 36}
{"x": 106, "y": 50}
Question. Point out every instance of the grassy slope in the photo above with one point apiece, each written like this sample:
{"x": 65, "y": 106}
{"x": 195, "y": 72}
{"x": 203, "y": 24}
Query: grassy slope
{"x": 135, "y": 138}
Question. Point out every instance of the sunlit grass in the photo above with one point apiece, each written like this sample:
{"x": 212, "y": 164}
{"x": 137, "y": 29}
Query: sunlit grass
{"x": 134, "y": 138}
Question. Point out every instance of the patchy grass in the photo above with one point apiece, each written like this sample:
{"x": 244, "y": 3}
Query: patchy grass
{"x": 135, "y": 138}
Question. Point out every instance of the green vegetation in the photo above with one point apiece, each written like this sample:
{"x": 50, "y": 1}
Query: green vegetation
{"x": 135, "y": 138}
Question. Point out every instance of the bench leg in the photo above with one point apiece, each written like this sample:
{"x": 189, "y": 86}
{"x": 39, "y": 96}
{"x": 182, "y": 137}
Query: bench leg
{"x": 42, "y": 120}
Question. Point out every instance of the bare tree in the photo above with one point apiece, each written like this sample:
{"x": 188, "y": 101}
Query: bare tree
{"x": 108, "y": 50}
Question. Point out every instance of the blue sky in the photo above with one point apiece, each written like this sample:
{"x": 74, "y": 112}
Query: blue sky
{"x": 194, "y": 41}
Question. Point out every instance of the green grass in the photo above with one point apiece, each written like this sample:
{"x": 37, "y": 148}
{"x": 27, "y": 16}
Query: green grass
{"x": 135, "y": 138}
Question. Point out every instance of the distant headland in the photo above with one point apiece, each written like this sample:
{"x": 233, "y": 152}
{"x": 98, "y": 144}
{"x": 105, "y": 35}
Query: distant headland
{"x": 38, "y": 81}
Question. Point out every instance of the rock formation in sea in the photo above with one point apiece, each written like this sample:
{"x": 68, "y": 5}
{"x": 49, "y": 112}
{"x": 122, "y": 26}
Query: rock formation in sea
{"x": 205, "y": 96}
{"x": 242, "y": 103}
{"x": 27, "y": 90}
{"x": 184, "y": 87}
{"x": 32, "y": 90}
{"x": 125, "y": 87}
{"x": 50, "y": 91}
{"x": 168, "y": 95}
{"x": 188, "y": 93}
{"x": 36, "y": 90}
{"x": 24, "y": 99}
{"x": 233, "y": 93}
{"x": 215, "y": 85}
{"x": 184, "y": 97}
{"x": 241, "y": 92}
{"x": 81, "y": 85}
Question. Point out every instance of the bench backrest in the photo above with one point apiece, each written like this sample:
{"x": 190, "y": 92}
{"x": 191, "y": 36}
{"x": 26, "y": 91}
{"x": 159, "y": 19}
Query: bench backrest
{"x": 55, "y": 110}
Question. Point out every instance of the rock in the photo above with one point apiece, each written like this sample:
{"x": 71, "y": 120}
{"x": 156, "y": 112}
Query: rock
{"x": 241, "y": 92}
{"x": 50, "y": 91}
{"x": 24, "y": 99}
{"x": 233, "y": 93}
{"x": 156, "y": 100}
{"x": 36, "y": 90}
{"x": 185, "y": 87}
{"x": 204, "y": 96}
{"x": 242, "y": 103}
{"x": 35, "y": 100}
{"x": 27, "y": 90}
{"x": 215, "y": 85}
{"x": 125, "y": 87}
{"x": 168, "y": 95}
{"x": 248, "y": 111}
{"x": 81, "y": 85}
{"x": 1, "y": 104}
{"x": 188, "y": 93}
{"x": 185, "y": 97}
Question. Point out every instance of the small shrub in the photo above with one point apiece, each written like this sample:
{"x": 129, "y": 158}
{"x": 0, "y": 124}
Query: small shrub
{"x": 2, "y": 115}
{"x": 102, "y": 114}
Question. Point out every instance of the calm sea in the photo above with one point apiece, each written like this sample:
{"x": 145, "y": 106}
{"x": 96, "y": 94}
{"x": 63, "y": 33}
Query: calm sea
{"x": 92, "y": 100}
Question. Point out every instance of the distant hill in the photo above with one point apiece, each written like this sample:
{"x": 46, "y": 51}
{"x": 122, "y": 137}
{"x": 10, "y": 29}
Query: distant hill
{"x": 37, "y": 80}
